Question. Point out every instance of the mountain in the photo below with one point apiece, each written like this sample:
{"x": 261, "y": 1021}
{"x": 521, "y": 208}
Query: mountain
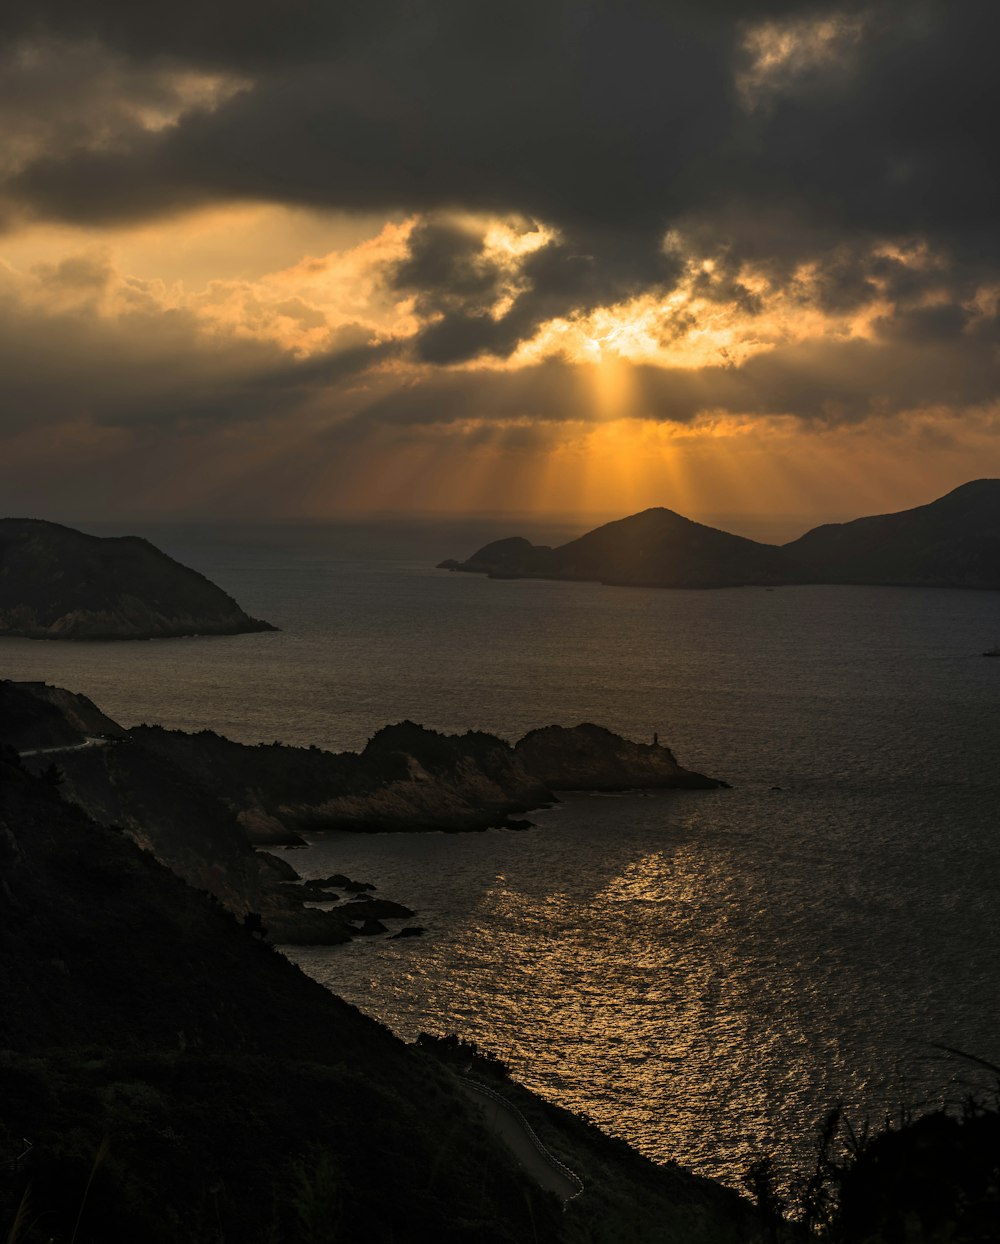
{"x": 656, "y": 548}
{"x": 952, "y": 542}
{"x": 58, "y": 583}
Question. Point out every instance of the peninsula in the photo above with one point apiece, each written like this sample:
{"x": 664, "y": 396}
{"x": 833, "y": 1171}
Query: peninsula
{"x": 206, "y": 807}
{"x": 59, "y": 583}
{"x": 952, "y": 542}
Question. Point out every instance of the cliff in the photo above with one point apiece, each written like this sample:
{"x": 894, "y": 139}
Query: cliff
{"x": 952, "y": 542}
{"x": 57, "y": 583}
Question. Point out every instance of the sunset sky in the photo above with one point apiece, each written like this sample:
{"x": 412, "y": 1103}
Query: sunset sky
{"x": 310, "y": 260}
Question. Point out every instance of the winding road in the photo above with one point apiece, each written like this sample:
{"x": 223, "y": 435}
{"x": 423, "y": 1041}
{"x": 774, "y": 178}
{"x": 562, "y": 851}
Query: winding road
{"x": 515, "y": 1131}
{"x": 89, "y": 741}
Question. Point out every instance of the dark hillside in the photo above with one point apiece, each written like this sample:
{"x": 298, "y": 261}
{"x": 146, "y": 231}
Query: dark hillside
{"x": 952, "y": 542}
{"x": 35, "y": 715}
{"x": 205, "y": 1089}
{"x": 228, "y": 1086}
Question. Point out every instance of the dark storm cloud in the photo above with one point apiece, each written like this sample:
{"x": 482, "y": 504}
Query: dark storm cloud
{"x": 606, "y": 122}
{"x": 457, "y": 282}
{"x": 587, "y": 115}
{"x": 592, "y": 114}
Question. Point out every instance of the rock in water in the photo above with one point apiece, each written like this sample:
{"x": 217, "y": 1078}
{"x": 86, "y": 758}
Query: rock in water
{"x": 58, "y": 583}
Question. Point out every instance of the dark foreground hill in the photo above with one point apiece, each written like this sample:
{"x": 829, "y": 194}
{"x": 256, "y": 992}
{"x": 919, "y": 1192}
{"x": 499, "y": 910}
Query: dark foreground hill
{"x": 177, "y": 1079}
{"x": 57, "y": 583}
{"x": 165, "y": 1075}
{"x": 952, "y": 542}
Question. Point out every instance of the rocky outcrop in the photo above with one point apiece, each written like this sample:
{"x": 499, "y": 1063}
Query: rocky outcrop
{"x": 407, "y": 778}
{"x": 58, "y": 583}
{"x": 410, "y": 779}
{"x": 588, "y": 757}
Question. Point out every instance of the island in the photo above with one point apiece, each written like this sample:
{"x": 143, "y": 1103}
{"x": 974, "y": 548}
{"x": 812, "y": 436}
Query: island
{"x": 59, "y": 583}
{"x": 952, "y": 542}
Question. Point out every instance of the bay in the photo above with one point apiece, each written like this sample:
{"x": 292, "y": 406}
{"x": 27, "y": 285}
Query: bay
{"x": 703, "y": 973}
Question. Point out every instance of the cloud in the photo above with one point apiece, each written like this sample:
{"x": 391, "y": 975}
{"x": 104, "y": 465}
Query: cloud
{"x": 666, "y": 212}
{"x": 766, "y": 133}
{"x": 78, "y": 339}
{"x": 589, "y": 117}
{"x": 934, "y": 356}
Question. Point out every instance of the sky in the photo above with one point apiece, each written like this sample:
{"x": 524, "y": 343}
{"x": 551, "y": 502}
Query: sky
{"x": 308, "y": 260}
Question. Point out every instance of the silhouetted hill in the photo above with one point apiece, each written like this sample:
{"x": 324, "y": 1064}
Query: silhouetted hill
{"x": 953, "y": 542}
{"x": 656, "y": 548}
{"x": 58, "y": 583}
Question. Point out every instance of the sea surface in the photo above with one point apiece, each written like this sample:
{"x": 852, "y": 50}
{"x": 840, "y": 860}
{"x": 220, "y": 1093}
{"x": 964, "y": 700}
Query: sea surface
{"x": 704, "y": 973}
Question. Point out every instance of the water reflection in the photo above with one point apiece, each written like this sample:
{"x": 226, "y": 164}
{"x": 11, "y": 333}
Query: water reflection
{"x": 694, "y": 974}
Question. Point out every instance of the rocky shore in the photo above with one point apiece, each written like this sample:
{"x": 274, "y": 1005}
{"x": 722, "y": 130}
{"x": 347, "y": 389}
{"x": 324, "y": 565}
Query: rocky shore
{"x": 208, "y": 808}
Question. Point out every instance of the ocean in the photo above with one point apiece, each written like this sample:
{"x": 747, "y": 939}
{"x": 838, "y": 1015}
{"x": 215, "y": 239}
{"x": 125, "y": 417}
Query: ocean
{"x": 705, "y": 974}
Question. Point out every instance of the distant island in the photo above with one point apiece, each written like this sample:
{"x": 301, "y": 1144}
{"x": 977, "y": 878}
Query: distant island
{"x": 952, "y": 542}
{"x": 58, "y": 583}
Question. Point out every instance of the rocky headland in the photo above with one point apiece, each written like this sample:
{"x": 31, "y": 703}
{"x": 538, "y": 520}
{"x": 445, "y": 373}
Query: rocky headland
{"x": 589, "y": 757}
{"x": 952, "y": 542}
{"x": 411, "y": 779}
{"x": 58, "y": 583}
{"x": 205, "y": 806}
